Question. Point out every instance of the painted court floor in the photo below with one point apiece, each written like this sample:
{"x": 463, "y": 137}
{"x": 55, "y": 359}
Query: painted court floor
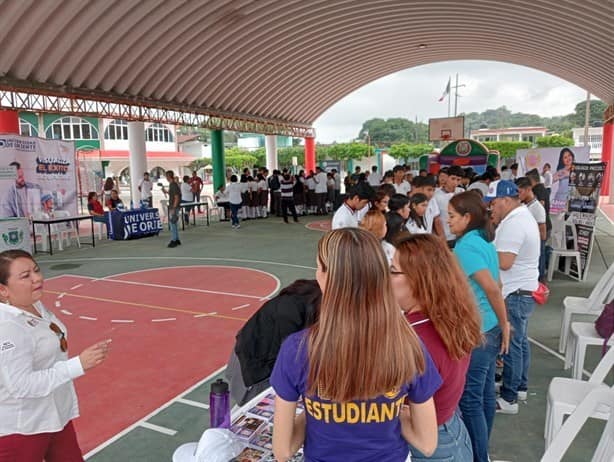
{"x": 173, "y": 313}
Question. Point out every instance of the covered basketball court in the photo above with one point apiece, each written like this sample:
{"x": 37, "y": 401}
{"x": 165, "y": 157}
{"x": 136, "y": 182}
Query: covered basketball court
{"x": 270, "y": 67}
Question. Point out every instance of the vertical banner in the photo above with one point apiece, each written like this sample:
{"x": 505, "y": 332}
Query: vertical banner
{"x": 559, "y": 162}
{"x": 36, "y": 176}
{"x": 584, "y": 188}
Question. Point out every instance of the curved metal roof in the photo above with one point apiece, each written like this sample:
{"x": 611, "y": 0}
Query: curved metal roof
{"x": 286, "y": 60}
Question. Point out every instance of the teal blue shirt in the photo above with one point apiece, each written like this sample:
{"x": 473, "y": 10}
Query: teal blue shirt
{"x": 474, "y": 254}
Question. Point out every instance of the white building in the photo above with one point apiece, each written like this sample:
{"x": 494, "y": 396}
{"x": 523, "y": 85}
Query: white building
{"x": 595, "y": 141}
{"x": 529, "y": 134}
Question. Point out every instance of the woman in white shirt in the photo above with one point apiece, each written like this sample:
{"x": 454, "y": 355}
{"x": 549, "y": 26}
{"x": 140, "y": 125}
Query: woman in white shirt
{"x": 416, "y": 223}
{"x": 37, "y": 396}
{"x": 235, "y": 191}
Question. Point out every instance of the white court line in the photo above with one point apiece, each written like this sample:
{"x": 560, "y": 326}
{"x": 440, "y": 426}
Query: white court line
{"x": 58, "y": 304}
{"x": 189, "y": 402}
{"x": 240, "y": 307}
{"x": 61, "y": 295}
{"x": 76, "y": 287}
{"x": 158, "y": 428}
{"x": 126, "y": 430}
{"x": 554, "y": 353}
{"x": 122, "y": 320}
{"x": 87, "y": 318}
{"x": 213, "y": 313}
{"x": 189, "y": 289}
{"x": 164, "y": 319}
{"x": 66, "y": 312}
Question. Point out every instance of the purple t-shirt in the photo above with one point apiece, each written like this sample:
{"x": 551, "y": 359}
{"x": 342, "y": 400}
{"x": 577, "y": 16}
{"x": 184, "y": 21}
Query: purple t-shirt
{"x": 357, "y": 431}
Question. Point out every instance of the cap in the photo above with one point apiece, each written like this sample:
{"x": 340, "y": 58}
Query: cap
{"x": 501, "y": 188}
{"x": 215, "y": 445}
{"x": 219, "y": 387}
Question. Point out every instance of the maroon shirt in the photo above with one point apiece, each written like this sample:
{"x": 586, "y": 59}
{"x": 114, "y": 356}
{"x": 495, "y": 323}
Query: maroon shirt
{"x": 453, "y": 372}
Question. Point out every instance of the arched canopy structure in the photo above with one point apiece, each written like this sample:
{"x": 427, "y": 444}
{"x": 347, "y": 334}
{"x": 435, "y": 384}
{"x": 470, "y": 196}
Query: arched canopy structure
{"x": 285, "y": 61}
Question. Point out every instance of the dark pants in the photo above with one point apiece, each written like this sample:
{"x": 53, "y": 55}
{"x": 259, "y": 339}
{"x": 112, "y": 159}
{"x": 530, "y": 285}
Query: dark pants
{"x": 288, "y": 204}
{"x": 276, "y": 203}
{"x": 196, "y": 198}
{"x": 321, "y": 203}
{"x": 234, "y": 213}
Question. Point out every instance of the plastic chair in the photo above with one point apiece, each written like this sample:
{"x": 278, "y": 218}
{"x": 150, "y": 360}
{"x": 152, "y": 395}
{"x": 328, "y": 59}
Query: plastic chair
{"x": 583, "y": 334}
{"x": 564, "y": 396}
{"x": 559, "y": 246}
{"x": 214, "y": 210}
{"x": 67, "y": 230}
{"x": 592, "y": 305}
{"x": 42, "y": 231}
{"x": 597, "y": 399}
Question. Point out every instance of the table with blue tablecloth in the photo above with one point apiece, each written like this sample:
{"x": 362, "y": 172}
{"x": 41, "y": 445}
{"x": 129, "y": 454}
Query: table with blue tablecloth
{"x": 133, "y": 224}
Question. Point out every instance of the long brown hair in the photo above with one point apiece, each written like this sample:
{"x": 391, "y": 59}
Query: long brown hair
{"x": 373, "y": 221}
{"x": 471, "y": 202}
{"x": 442, "y": 291}
{"x": 361, "y": 346}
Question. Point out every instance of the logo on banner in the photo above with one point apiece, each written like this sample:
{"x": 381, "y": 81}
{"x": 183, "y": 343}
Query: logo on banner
{"x": 13, "y": 237}
{"x": 463, "y": 148}
{"x": 50, "y": 165}
{"x": 18, "y": 144}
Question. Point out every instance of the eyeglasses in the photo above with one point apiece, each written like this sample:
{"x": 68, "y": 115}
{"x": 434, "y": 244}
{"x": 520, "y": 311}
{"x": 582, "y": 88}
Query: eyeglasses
{"x": 63, "y": 342}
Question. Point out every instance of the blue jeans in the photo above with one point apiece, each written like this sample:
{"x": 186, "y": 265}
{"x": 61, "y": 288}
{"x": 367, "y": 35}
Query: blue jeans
{"x": 453, "y": 443}
{"x": 173, "y": 217}
{"x": 479, "y": 399}
{"x": 518, "y": 360}
{"x": 234, "y": 213}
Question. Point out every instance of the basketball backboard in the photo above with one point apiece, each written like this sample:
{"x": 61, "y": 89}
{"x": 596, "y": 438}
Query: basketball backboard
{"x": 446, "y": 128}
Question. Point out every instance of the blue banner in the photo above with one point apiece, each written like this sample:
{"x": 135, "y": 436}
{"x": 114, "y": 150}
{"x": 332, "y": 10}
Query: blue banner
{"x": 133, "y": 224}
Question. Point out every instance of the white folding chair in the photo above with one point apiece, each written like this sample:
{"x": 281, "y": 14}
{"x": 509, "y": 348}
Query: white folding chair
{"x": 565, "y": 394}
{"x": 583, "y": 334}
{"x": 559, "y": 247}
{"x": 592, "y": 305}
{"x": 67, "y": 230}
{"x": 214, "y": 210}
{"x": 597, "y": 399}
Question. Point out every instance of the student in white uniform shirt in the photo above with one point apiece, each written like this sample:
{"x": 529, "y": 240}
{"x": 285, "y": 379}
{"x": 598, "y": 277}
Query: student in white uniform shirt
{"x": 517, "y": 243}
{"x": 443, "y": 195}
{"x": 375, "y": 178}
{"x": 321, "y": 190}
{"x": 37, "y": 396}
{"x": 357, "y": 198}
{"x": 527, "y": 197}
{"x": 426, "y": 186}
{"x": 416, "y": 223}
{"x": 401, "y": 186}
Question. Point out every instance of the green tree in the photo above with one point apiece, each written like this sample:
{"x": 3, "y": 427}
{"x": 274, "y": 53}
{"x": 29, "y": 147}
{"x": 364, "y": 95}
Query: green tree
{"x": 598, "y": 107}
{"x": 507, "y": 149}
{"x": 554, "y": 141}
{"x": 404, "y": 150}
{"x": 199, "y": 163}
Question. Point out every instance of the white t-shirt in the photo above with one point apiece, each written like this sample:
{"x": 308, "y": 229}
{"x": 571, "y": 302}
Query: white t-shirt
{"x": 146, "y": 187}
{"x": 221, "y": 197}
{"x": 321, "y": 183}
{"x": 345, "y": 217}
{"x": 374, "y": 179}
{"x": 360, "y": 214}
{"x": 548, "y": 179}
{"x": 311, "y": 184}
{"x": 518, "y": 234}
{"x": 402, "y": 188}
{"x": 537, "y": 210}
{"x": 389, "y": 250}
{"x": 262, "y": 185}
{"x": 186, "y": 192}
{"x": 443, "y": 199}
{"x": 432, "y": 212}
{"x": 337, "y": 181}
{"x": 234, "y": 193}
{"x": 414, "y": 228}
{"x": 483, "y": 187}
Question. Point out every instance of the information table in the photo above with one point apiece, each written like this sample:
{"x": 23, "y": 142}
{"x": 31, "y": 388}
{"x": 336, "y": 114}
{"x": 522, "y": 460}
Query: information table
{"x": 133, "y": 224}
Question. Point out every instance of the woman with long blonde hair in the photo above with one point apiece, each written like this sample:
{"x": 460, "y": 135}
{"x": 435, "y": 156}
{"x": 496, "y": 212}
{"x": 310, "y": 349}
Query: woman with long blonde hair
{"x": 355, "y": 367}
{"x": 435, "y": 295}
{"x": 375, "y": 222}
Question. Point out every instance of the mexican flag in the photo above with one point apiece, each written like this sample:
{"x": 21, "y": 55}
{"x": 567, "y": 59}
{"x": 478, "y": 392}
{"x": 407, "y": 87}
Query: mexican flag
{"x": 446, "y": 91}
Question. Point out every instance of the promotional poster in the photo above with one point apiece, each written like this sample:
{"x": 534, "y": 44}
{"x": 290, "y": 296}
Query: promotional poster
{"x": 37, "y": 176}
{"x": 559, "y": 163}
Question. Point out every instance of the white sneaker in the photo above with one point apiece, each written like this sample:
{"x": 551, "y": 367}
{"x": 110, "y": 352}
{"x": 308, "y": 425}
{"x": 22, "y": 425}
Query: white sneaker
{"x": 504, "y": 407}
{"x": 522, "y": 395}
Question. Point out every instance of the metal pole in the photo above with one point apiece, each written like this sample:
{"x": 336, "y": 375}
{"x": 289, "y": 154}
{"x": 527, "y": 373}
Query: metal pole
{"x": 456, "y": 96}
{"x": 587, "y": 117}
{"x": 449, "y": 97}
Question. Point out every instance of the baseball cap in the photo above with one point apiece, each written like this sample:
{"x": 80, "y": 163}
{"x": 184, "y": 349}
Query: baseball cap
{"x": 215, "y": 445}
{"x": 501, "y": 188}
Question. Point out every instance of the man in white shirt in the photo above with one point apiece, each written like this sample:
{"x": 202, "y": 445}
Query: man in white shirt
{"x": 374, "y": 178}
{"x": 357, "y": 198}
{"x": 443, "y": 195}
{"x": 321, "y": 190}
{"x": 482, "y": 183}
{"x": 518, "y": 246}
{"x": 145, "y": 187}
{"x": 527, "y": 197}
{"x": 401, "y": 186}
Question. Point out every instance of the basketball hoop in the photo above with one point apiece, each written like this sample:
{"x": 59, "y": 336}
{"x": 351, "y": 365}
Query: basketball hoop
{"x": 446, "y": 134}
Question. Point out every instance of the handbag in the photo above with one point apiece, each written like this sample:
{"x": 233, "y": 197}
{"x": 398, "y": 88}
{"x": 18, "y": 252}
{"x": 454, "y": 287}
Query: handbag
{"x": 604, "y": 325}
{"x": 540, "y": 295}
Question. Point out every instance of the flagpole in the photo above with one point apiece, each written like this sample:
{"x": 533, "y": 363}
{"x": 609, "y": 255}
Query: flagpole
{"x": 449, "y": 80}
{"x": 456, "y": 96}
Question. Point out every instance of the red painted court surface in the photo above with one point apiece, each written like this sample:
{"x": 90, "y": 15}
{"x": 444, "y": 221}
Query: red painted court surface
{"x": 170, "y": 328}
{"x": 321, "y": 225}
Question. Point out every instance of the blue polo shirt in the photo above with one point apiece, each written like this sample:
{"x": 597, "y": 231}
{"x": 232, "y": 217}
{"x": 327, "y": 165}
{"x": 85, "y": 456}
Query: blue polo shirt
{"x": 474, "y": 254}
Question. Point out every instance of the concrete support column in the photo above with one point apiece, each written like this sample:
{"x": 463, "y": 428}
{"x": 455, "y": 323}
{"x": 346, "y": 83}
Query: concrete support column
{"x": 138, "y": 159}
{"x": 310, "y": 154}
{"x": 217, "y": 158}
{"x": 607, "y": 155}
{"x": 9, "y": 121}
{"x": 270, "y": 142}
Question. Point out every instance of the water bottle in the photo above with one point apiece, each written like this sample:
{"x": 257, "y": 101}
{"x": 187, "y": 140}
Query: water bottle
{"x": 219, "y": 405}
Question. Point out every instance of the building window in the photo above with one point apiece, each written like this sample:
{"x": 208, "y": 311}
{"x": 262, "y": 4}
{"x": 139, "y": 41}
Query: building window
{"x": 116, "y": 130}
{"x": 26, "y": 128}
{"x": 159, "y": 133}
{"x": 72, "y": 128}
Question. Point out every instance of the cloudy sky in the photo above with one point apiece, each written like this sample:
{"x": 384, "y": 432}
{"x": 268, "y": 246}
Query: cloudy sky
{"x": 414, "y": 93}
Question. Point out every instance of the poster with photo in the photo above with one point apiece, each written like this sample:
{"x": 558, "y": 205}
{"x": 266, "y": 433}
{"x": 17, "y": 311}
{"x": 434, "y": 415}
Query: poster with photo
{"x": 36, "y": 176}
{"x": 560, "y": 162}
